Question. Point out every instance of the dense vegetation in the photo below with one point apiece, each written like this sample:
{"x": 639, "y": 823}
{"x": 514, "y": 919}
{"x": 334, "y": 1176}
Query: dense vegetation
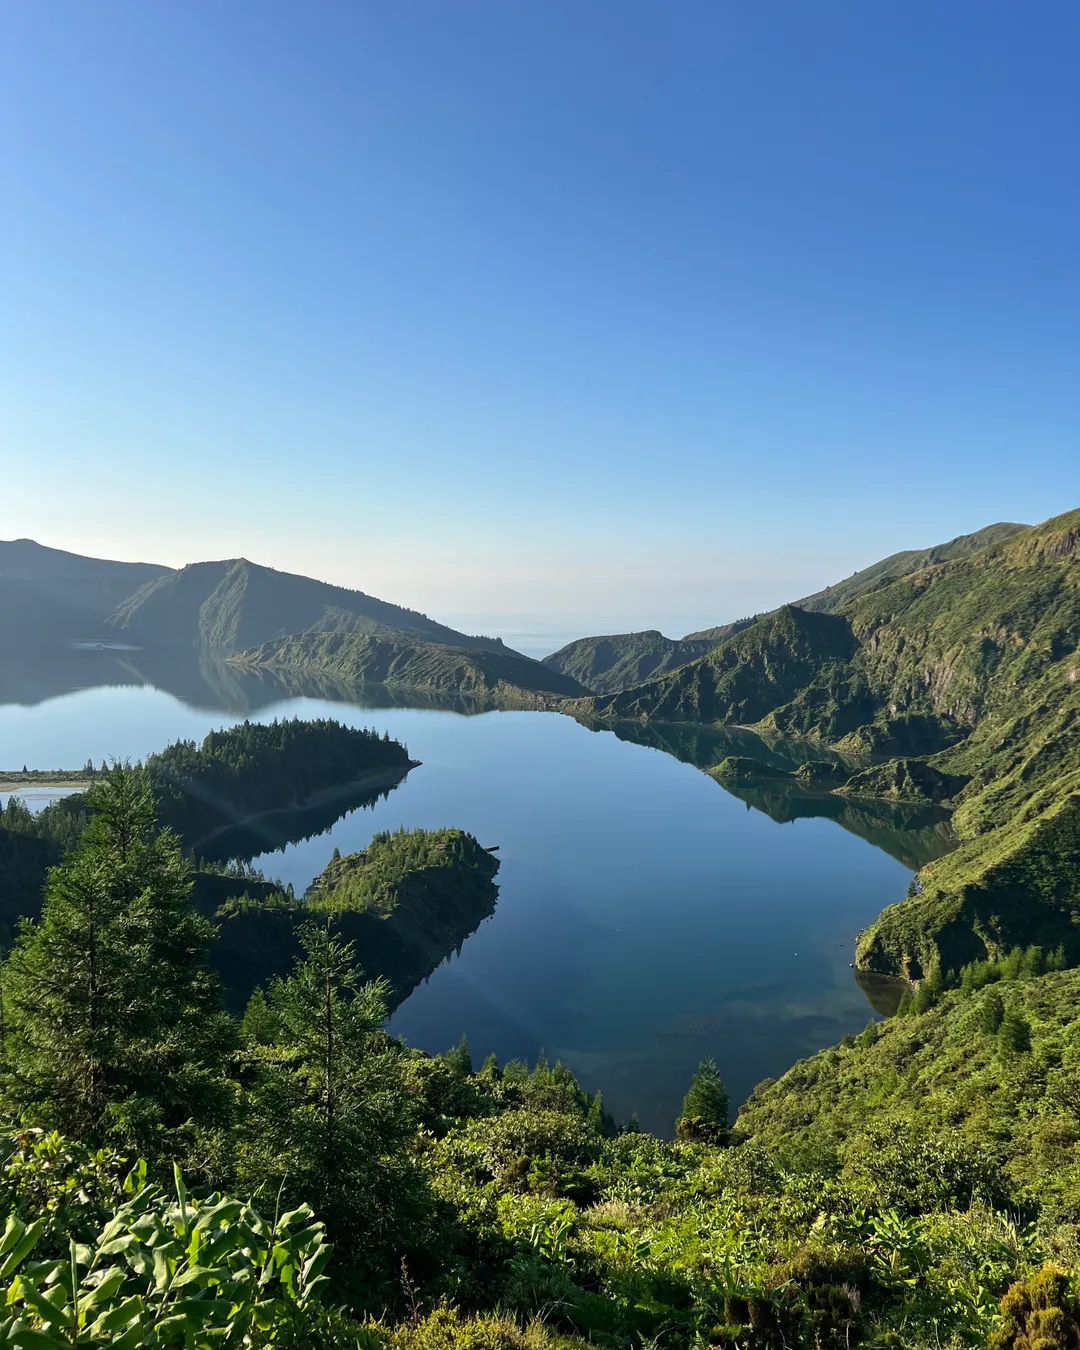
{"x": 261, "y": 767}
{"x": 364, "y": 659}
{"x": 964, "y": 674}
{"x": 241, "y": 792}
{"x": 403, "y": 903}
{"x": 498, "y": 1209}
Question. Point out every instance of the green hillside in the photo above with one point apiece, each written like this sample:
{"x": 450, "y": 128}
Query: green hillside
{"x": 902, "y": 564}
{"x": 229, "y": 606}
{"x": 947, "y": 1072}
{"x": 745, "y": 677}
{"x": 605, "y": 665}
{"x": 406, "y": 902}
{"x": 966, "y": 671}
{"x": 359, "y": 658}
{"x": 608, "y": 665}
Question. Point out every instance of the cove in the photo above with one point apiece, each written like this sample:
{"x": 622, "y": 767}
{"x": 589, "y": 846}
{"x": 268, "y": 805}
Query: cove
{"x": 648, "y": 918}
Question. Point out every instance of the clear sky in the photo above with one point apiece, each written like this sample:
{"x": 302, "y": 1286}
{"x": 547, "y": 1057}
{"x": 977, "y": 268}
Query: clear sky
{"x": 538, "y": 312}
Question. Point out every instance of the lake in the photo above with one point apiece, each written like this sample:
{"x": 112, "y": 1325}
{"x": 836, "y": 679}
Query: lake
{"x": 647, "y": 917}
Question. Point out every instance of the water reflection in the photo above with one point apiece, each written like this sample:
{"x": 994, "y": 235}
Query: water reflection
{"x": 912, "y": 833}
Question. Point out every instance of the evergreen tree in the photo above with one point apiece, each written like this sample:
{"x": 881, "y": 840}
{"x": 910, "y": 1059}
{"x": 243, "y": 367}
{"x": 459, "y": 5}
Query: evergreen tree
{"x": 993, "y": 1013}
{"x": 595, "y": 1118}
{"x": 930, "y": 989}
{"x": 259, "y": 1025}
{"x": 112, "y": 1025}
{"x": 327, "y": 1112}
{"x": 704, "y": 1116}
{"x": 460, "y": 1058}
{"x": 1014, "y": 1035}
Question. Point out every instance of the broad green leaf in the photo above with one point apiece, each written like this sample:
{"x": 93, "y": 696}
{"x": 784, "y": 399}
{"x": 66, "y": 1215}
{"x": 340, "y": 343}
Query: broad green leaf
{"x": 21, "y": 1247}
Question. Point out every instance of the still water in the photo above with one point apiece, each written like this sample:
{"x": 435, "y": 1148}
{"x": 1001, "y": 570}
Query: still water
{"x": 647, "y": 918}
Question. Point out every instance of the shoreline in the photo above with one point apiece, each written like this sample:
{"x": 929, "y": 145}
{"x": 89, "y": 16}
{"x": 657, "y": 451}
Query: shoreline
{"x": 12, "y": 780}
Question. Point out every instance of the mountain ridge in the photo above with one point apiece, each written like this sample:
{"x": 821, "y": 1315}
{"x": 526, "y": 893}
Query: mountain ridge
{"x": 612, "y": 663}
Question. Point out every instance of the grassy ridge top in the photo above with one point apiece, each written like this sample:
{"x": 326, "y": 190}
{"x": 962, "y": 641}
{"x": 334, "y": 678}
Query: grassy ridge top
{"x": 610, "y": 664}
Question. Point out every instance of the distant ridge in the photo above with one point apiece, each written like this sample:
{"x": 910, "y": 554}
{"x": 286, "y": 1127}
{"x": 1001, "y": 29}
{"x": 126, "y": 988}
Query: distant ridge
{"x": 899, "y": 565}
{"x": 49, "y": 595}
{"x": 237, "y": 604}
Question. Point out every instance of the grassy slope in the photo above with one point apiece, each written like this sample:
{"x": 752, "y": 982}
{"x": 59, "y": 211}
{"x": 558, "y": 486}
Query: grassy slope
{"x": 608, "y": 665}
{"x": 904, "y": 563}
{"x": 605, "y": 665}
{"x": 942, "y": 1071}
{"x": 361, "y": 658}
{"x": 745, "y": 677}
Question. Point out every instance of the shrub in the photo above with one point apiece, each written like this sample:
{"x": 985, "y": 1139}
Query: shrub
{"x": 1039, "y": 1314}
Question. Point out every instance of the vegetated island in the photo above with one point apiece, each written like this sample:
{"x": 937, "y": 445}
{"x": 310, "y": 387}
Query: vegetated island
{"x": 406, "y": 902}
{"x": 957, "y": 684}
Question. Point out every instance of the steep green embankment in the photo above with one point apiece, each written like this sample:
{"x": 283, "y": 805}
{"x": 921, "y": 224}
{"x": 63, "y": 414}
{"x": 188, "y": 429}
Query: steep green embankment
{"x": 968, "y": 672}
{"x": 607, "y": 665}
{"x": 357, "y": 658}
{"x": 902, "y": 564}
{"x": 407, "y": 901}
{"x": 951, "y": 1071}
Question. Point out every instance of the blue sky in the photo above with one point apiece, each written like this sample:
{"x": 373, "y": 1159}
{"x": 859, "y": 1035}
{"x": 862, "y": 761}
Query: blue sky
{"x": 563, "y": 316}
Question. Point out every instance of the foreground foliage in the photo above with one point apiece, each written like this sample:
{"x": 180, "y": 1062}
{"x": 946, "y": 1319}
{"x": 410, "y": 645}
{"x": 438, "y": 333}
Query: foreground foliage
{"x": 916, "y": 1186}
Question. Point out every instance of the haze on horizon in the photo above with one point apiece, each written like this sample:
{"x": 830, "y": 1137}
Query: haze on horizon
{"x": 546, "y": 319}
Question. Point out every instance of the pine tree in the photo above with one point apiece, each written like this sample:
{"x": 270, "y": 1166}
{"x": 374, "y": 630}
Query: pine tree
{"x": 993, "y": 1013}
{"x": 113, "y": 1029}
{"x": 460, "y": 1058}
{"x": 930, "y": 989}
{"x": 595, "y": 1118}
{"x": 1014, "y": 1035}
{"x": 328, "y": 1110}
{"x": 704, "y": 1116}
{"x": 259, "y": 1025}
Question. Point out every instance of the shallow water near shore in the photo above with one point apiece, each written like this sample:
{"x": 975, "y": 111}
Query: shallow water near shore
{"x": 647, "y": 918}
